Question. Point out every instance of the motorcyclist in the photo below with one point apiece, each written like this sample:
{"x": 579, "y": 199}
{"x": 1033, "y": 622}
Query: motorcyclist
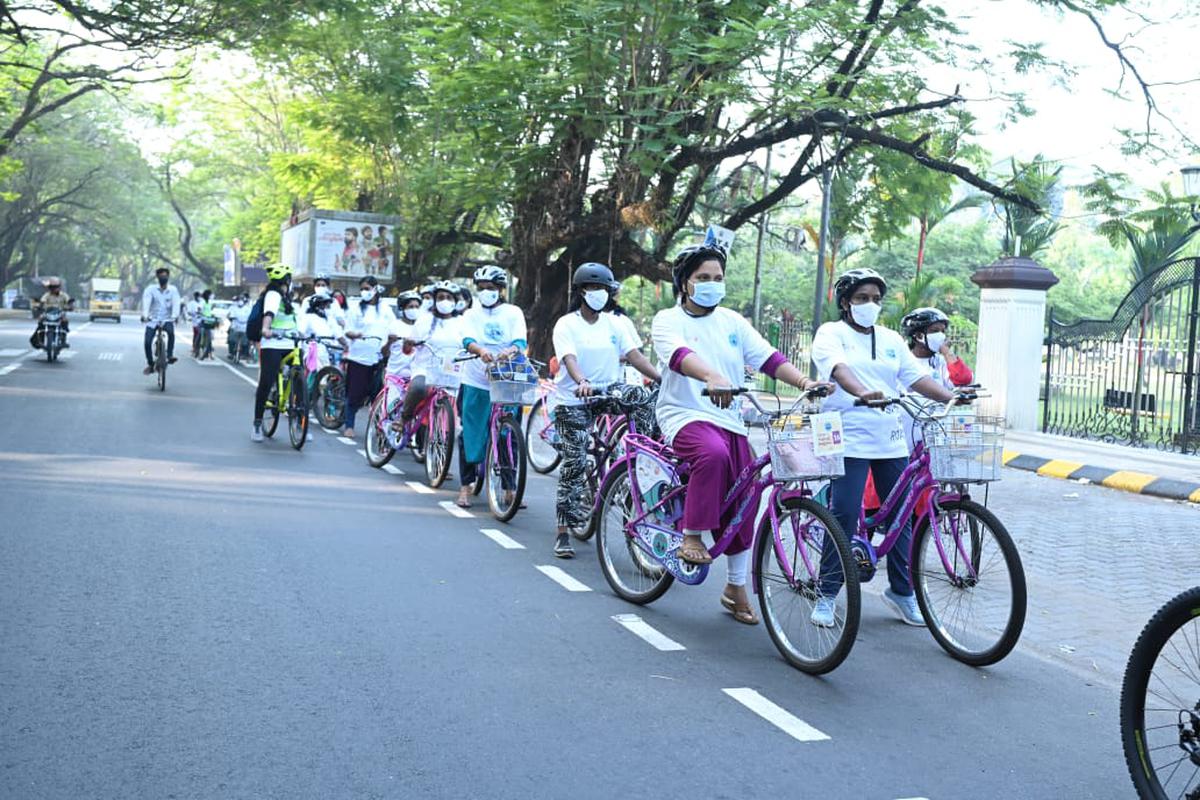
{"x": 54, "y": 297}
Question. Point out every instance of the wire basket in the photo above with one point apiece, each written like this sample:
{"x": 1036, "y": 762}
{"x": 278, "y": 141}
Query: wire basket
{"x": 446, "y": 374}
{"x": 965, "y": 448}
{"x": 513, "y": 383}
{"x": 793, "y": 457}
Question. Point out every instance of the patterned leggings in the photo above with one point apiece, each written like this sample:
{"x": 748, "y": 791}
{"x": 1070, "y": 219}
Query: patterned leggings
{"x": 574, "y": 424}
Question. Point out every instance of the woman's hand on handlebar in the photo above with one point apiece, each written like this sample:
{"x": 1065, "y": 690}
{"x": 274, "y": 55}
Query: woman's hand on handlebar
{"x": 872, "y": 397}
{"x": 584, "y": 389}
{"x": 815, "y": 388}
{"x": 719, "y": 390}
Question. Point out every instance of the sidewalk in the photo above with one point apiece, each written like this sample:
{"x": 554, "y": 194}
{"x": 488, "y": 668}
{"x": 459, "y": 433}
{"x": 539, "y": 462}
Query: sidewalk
{"x": 1132, "y": 469}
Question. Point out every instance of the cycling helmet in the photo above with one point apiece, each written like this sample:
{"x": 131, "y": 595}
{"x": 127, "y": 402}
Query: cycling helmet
{"x": 427, "y": 288}
{"x": 445, "y": 286}
{"x": 592, "y": 272}
{"x": 277, "y": 272}
{"x": 491, "y": 274}
{"x": 847, "y": 282}
{"x": 689, "y": 258}
{"x": 919, "y": 321}
{"x": 404, "y": 298}
{"x": 320, "y": 276}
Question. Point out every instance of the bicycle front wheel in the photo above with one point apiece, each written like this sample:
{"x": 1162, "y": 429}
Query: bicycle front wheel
{"x": 969, "y": 582}
{"x": 539, "y": 441}
{"x": 1160, "y": 703}
{"x": 439, "y": 442}
{"x": 271, "y": 412}
{"x": 297, "y": 408}
{"x": 505, "y": 471}
{"x": 793, "y": 574}
{"x": 379, "y": 451}
{"x": 160, "y": 361}
{"x": 632, "y": 573}
{"x": 330, "y": 394}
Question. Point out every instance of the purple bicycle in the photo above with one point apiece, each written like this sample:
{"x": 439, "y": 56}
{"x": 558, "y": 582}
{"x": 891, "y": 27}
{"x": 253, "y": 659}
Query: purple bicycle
{"x": 639, "y": 526}
{"x": 965, "y": 568}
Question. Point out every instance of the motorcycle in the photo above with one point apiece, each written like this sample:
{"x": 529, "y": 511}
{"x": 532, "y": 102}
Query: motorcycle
{"x": 52, "y": 333}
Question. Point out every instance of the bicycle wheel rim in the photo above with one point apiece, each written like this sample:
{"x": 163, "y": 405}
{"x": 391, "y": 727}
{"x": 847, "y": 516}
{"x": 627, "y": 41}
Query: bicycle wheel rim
{"x": 974, "y": 600}
{"x": 504, "y": 472}
{"x": 1160, "y": 701}
{"x": 439, "y": 443}
{"x": 297, "y": 411}
{"x": 377, "y": 447}
{"x": 271, "y": 415}
{"x": 791, "y": 575}
{"x": 543, "y": 455}
{"x": 637, "y": 579}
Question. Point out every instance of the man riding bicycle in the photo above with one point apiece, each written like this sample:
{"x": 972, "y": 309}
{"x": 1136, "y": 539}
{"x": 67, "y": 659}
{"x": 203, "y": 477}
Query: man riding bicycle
{"x": 160, "y": 306}
{"x": 54, "y": 297}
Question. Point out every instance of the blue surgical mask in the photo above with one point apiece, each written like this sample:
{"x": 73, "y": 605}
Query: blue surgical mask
{"x": 708, "y": 294}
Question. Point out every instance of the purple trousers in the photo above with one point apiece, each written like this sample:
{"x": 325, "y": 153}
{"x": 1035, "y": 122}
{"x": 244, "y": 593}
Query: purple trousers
{"x": 715, "y": 458}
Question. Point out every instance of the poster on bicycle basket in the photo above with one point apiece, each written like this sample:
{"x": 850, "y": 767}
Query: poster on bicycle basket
{"x": 341, "y": 244}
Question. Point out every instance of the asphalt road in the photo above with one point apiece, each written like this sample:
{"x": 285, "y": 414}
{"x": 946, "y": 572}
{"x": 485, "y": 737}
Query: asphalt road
{"x": 184, "y": 613}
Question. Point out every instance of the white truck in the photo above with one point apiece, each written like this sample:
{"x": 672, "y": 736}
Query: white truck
{"x": 104, "y": 299}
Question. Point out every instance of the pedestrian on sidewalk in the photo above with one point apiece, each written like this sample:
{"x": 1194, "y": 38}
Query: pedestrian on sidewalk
{"x": 367, "y": 328}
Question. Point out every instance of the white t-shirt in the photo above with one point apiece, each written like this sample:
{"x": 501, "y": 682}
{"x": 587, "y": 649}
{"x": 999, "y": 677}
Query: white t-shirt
{"x": 280, "y": 322}
{"x": 239, "y": 316}
{"x": 193, "y": 310}
{"x": 727, "y": 342}
{"x": 443, "y": 339}
{"x": 369, "y": 321}
{"x": 494, "y": 329}
{"x": 316, "y": 325}
{"x": 934, "y": 367}
{"x": 597, "y": 347}
{"x": 399, "y": 362}
{"x": 868, "y": 432}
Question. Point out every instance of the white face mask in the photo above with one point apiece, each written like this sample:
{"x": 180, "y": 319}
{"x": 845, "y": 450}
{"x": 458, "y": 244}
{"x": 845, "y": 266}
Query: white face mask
{"x": 489, "y": 297}
{"x": 445, "y": 307}
{"x": 426, "y": 303}
{"x": 708, "y": 294}
{"x": 367, "y": 295}
{"x": 411, "y": 314}
{"x": 322, "y": 291}
{"x": 460, "y": 305}
{"x": 596, "y": 299}
{"x": 866, "y": 314}
{"x": 934, "y": 341}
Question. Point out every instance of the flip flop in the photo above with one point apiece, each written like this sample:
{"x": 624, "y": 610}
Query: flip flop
{"x": 695, "y": 554}
{"x": 461, "y": 503}
{"x": 744, "y": 615}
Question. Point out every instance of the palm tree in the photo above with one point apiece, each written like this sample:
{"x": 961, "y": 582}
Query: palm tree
{"x": 1028, "y": 232}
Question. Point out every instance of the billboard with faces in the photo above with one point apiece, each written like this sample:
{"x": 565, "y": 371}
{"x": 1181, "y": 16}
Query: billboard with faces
{"x": 345, "y": 249}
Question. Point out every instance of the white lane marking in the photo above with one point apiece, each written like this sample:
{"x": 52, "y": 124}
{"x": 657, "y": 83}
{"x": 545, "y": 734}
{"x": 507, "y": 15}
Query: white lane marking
{"x": 450, "y": 508}
{"x": 346, "y": 440}
{"x": 499, "y": 538}
{"x": 111, "y": 356}
{"x": 246, "y": 378}
{"x": 361, "y": 452}
{"x": 913, "y": 798}
{"x": 334, "y": 432}
{"x": 208, "y": 363}
{"x": 67, "y": 355}
{"x": 419, "y": 488}
{"x": 9, "y": 368}
{"x": 83, "y": 327}
{"x": 563, "y": 579}
{"x": 394, "y": 470}
{"x": 793, "y": 726}
{"x": 641, "y": 629}
{"x": 6, "y": 352}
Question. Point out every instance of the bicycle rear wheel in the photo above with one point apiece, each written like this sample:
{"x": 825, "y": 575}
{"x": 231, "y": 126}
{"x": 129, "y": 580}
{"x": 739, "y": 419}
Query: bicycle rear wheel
{"x": 539, "y": 444}
{"x": 297, "y": 408}
{"x": 160, "y": 360}
{"x": 973, "y": 599}
{"x": 330, "y": 394}
{"x": 505, "y": 470}
{"x": 379, "y": 451}
{"x": 1160, "y": 702}
{"x": 439, "y": 447}
{"x": 419, "y": 439}
{"x": 788, "y": 577}
{"x": 633, "y": 574}
{"x": 271, "y": 412}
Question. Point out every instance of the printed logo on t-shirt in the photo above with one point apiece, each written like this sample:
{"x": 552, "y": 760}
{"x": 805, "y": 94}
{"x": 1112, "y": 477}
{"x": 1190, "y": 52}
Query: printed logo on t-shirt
{"x": 613, "y": 340}
{"x": 493, "y": 331}
{"x": 733, "y": 340}
{"x": 890, "y": 352}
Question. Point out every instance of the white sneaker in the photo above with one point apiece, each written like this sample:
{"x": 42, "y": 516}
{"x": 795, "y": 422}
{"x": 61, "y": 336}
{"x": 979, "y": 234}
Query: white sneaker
{"x": 823, "y": 612}
{"x": 256, "y": 434}
{"x": 905, "y": 607}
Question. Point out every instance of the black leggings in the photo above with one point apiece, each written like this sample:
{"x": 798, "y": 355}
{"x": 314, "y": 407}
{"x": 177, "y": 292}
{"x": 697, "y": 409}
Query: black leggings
{"x": 269, "y": 360}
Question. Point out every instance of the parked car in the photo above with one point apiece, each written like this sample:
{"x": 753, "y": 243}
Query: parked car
{"x": 22, "y": 301}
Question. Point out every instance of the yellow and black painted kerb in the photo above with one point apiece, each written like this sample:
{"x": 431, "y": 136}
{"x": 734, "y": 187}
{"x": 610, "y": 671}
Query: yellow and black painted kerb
{"x": 1123, "y": 479}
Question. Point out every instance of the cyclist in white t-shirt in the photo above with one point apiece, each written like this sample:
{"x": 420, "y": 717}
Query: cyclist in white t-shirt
{"x": 869, "y": 362}
{"x": 709, "y": 347}
{"x": 590, "y": 343}
{"x": 436, "y": 335}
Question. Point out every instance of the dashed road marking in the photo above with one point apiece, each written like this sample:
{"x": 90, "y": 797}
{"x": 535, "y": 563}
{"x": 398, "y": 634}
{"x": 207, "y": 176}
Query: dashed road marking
{"x": 246, "y": 378}
{"x": 452, "y": 509}
{"x": 6, "y": 352}
{"x": 642, "y": 629}
{"x": 418, "y": 487}
{"x": 111, "y": 356}
{"x": 507, "y": 542}
{"x": 361, "y": 452}
{"x": 781, "y": 718}
{"x": 346, "y": 440}
{"x": 394, "y": 470}
{"x": 563, "y": 579}
{"x": 67, "y": 355}
{"x": 9, "y": 368}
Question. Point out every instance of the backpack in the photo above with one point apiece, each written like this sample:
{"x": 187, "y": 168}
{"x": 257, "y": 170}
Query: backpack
{"x": 255, "y": 320}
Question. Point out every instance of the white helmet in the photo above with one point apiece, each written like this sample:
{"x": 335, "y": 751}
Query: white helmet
{"x": 491, "y": 274}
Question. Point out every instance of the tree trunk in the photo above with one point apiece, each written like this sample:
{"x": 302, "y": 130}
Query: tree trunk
{"x": 921, "y": 243}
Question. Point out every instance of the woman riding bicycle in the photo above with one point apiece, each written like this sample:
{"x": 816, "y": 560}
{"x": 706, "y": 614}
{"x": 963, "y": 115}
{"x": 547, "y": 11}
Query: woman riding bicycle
{"x": 868, "y": 362}
{"x": 493, "y": 330}
{"x": 278, "y": 323}
{"x": 708, "y": 347}
{"x": 589, "y": 342}
{"x": 367, "y": 328}
{"x": 440, "y": 331}
{"x": 400, "y": 348}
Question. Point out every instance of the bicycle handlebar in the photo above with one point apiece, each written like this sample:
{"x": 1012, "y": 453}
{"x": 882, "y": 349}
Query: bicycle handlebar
{"x": 963, "y": 395}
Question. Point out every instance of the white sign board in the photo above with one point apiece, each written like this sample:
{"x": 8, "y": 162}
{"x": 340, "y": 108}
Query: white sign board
{"x": 720, "y": 236}
{"x": 293, "y": 249}
{"x": 230, "y": 277}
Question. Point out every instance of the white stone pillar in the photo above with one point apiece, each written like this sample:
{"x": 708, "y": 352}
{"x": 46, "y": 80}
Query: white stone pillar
{"x": 1012, "y": 322}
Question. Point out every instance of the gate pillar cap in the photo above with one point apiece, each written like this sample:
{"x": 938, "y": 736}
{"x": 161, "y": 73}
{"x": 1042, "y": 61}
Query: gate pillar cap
{"x": 1014, "y": 272}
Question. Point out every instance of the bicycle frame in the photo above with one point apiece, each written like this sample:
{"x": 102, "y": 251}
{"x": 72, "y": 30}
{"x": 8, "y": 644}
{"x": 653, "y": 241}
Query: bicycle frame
{"x": 421, "y": 413}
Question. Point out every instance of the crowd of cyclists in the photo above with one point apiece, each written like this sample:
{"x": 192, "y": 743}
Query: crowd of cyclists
{"x": 704, "y": 353}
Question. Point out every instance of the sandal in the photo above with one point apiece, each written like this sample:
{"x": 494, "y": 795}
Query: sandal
{"x": 695, "y": 554}
{"x": 462, "y": 501}
{"x": 743, "y": 614}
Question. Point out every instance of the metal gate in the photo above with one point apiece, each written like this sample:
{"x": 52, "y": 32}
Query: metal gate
{"x": 1130, "y": 379}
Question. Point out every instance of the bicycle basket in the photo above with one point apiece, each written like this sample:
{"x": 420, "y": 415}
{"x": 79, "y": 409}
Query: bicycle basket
{"x": 513, "y": 383}
{"x": 965, "y": 448}
{"x": 793, "y": 457}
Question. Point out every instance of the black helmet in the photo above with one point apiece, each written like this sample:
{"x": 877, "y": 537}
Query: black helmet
{"x": 918, "y": 321}
{"x": 687, "y": 259}
{"x": 848, "y": 282}
{"x": 591, "y": 272}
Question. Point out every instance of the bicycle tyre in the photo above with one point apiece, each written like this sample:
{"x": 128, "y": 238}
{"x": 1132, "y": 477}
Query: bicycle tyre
{"x": 439, "y": 443}
{"x": 1016, "y": 618}
{"x": 378, "y": 450}
{"x": 329, "y": 389}
{"x": 616, "y": 489}
{"x": 764, "y": 555}
{"x": 297, "y": 408}
{"x": 419, "y": 441}
{"x": 271, "y": 412}
{"x": 160, "y": 361}
{"x": 1167, "y": 621}
{"x": 542, "y": 466}
{"x": 596, "y": 474}
{"x": 510, "y": 450}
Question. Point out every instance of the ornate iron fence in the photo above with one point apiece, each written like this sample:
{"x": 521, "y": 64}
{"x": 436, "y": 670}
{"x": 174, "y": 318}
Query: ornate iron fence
{"x": 1130, "y": 379}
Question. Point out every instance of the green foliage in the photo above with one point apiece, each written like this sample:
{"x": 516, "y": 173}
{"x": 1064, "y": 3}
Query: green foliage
{"x": 1038, "y": 181}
